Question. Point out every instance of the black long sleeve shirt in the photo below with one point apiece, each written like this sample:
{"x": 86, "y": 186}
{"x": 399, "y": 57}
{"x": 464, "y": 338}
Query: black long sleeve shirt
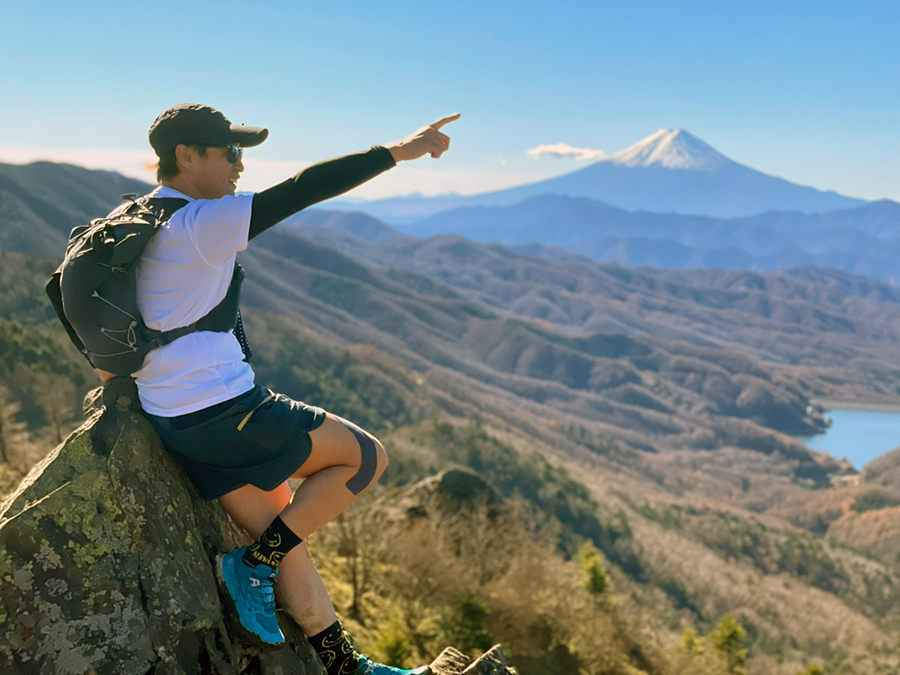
{"x": 315, "y": 184}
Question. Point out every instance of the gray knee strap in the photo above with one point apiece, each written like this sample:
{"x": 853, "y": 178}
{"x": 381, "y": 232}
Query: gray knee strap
{"x": 369, "y": 461}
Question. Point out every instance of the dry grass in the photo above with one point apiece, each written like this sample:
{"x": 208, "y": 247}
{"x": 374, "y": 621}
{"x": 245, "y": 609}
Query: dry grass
{"x": 536, "y": 603}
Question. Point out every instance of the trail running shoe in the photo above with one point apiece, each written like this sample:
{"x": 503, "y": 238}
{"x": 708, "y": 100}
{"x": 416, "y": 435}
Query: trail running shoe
{"x": 367, "y": 667}
{"x": 252, "y": 596}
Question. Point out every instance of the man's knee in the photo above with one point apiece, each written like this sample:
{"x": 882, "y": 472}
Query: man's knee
{"x": 372, "y": 463}
{"x": 382, "y": 458}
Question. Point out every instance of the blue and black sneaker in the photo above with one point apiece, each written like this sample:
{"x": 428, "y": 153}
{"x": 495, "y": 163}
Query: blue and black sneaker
{"x": 252, "y": 597}
{"x": 367, "y": 667}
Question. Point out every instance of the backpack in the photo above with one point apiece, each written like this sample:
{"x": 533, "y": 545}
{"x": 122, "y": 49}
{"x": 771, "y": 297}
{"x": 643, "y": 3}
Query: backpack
{"x": 94, "y": 290}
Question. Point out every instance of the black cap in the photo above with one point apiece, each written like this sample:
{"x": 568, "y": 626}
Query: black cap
{"x": 196, "y": 124}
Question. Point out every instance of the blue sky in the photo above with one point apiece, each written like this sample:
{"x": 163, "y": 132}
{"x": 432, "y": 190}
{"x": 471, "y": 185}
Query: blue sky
{"x": 803, "y": 90}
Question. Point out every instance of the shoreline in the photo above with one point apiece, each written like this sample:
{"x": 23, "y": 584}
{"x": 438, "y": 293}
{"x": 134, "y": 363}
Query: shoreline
{"x": 830, "y": 404}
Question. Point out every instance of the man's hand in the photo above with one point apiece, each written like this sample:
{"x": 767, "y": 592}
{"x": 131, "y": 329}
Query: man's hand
{"x": 428, "y": 140}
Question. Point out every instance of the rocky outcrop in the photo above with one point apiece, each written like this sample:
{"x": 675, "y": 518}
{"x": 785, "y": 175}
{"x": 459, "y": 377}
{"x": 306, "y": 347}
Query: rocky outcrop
{"x": 453, "y": 662}
{"x": 106, "y": 553}
{"x": 105, "y": 561}
{"x": 450, "y": 491}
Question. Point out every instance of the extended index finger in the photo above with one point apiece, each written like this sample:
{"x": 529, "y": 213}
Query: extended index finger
{"x": 446, "y": 120}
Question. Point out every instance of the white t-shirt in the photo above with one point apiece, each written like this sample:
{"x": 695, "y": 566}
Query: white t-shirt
{"x": 183, "y": 273}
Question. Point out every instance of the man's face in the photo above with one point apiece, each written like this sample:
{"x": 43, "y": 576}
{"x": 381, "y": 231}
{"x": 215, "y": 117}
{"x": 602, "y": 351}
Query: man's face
{"x": 211, "y": 174}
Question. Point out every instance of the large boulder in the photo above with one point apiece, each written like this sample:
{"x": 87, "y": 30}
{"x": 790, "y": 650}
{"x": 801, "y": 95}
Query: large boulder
{"x": 448, "y": 492}
{"x": 106, "y": 563}
{"x": 106, "y": 553}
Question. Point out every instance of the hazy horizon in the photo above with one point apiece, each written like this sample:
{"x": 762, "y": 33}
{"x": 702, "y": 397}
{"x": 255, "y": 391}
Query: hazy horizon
{"x": 797, "y": 91}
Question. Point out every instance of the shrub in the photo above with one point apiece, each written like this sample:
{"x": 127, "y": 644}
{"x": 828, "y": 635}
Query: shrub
{"x": 463, "y": 623}
{"x": 873, "y": 501}
{"x": 393, "y": 646}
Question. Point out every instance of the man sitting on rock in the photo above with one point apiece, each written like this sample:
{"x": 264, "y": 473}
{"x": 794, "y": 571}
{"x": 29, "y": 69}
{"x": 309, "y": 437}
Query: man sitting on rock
{"x": 238, "y": 441}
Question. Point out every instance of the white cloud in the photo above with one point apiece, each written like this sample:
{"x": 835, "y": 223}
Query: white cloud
{"x": 566, "y": 150}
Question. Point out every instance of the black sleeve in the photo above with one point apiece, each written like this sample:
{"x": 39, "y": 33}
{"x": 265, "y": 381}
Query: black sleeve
{"x": 315, "y": 184}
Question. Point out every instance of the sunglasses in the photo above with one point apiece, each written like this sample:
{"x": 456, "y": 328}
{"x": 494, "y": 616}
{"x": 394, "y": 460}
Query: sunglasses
{"x": 235, "y": 152}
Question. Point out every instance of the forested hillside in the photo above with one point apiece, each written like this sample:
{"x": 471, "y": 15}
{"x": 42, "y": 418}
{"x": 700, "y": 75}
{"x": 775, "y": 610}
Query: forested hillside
{"x": 644, "y": 412}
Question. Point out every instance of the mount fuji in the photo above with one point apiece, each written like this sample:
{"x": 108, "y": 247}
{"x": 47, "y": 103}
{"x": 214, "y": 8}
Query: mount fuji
{"x": 669, "y": 171}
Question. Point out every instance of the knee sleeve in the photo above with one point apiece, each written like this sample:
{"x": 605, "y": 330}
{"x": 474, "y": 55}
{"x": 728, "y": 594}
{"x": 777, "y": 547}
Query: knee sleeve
{"x": 368, "y": 463}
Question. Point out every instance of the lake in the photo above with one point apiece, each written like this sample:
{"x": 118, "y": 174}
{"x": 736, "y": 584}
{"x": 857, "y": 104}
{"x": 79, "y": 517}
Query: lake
{"x": 858, "y": 435}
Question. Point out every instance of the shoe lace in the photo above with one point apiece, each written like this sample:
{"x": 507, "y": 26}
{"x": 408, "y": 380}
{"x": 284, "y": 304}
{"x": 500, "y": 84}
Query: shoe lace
{"x": 267, "y": 591}
{"x": 268, "y": 597}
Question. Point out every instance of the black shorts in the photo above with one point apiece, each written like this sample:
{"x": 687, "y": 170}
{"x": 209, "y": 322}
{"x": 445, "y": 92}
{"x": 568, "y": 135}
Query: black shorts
{"x": 258, "y": 438}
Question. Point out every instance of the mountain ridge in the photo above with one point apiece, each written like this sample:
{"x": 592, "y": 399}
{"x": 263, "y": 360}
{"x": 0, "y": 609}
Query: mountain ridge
{"x": 670, "y": 170}
{"x": 859, "y": 239}
{"x": 862, "y": 239}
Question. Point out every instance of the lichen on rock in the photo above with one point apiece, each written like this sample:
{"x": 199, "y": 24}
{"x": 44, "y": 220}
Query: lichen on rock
{"x": 106, "y": 564}
{"x": 106, "y": 553}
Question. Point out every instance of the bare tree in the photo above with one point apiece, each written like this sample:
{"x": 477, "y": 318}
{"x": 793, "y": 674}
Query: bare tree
{"x": 360, "y": 539}
{"x": 13, "y": 433}
{"x": 57, "y": 397}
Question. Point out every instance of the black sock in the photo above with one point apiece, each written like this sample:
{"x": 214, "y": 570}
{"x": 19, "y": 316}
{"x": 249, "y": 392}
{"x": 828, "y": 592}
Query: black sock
{"x": 334, "y": 648}
{"x": 272, "y": 546}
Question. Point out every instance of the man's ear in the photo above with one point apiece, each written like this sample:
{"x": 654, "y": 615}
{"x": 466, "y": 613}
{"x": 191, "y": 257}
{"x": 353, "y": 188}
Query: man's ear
{"x": 185, "y": 155}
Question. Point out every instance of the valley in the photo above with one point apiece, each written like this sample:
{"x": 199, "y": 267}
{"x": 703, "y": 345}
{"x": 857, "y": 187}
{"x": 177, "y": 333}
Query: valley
{"x": 670, "y": 396}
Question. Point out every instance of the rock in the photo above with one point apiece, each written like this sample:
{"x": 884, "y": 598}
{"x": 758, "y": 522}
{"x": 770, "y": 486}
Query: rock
{"x": 106, "y": 563}
{"x": 106, "y": 553}
{"x": 490, "y": 663}
{"x": 453, "y": 662}
{"x": 446, "y": 492}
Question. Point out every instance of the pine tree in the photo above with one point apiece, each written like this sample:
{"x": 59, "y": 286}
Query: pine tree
{"x": 596, "y": 579}
{"x": 691, "y": 642}
{"x": 728, "y": 638}
{"x": 813, "y": 669}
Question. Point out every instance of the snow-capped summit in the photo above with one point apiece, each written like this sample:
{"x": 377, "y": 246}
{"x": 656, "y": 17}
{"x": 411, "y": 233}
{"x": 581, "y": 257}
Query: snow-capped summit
{"x": 670, "y": 170}
{"x": 671, "y": 149}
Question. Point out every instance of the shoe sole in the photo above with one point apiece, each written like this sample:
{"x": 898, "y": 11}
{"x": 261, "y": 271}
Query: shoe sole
{"x": 233, "y": 617}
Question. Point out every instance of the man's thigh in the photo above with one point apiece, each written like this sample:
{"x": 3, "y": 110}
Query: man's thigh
{"x": 338, "y": 442}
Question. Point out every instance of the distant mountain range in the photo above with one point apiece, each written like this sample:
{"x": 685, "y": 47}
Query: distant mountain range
{"x": 669, "y": 171}
{"x": 668, "y": 201}
{"x": 40, "y": 202}
{"x": 863, "y": 239}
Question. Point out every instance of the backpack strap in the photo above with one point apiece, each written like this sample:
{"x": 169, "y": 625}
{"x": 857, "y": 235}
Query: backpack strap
{"x": 224, "y": 317}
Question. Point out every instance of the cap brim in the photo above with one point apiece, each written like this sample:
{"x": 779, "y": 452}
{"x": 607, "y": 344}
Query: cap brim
{"x": 247, "y": 137}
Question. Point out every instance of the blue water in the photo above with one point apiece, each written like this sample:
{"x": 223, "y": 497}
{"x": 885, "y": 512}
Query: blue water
{"x": 858, "y": 435}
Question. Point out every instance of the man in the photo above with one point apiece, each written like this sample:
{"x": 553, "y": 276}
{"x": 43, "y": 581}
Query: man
{"x": 237, "y": 441}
